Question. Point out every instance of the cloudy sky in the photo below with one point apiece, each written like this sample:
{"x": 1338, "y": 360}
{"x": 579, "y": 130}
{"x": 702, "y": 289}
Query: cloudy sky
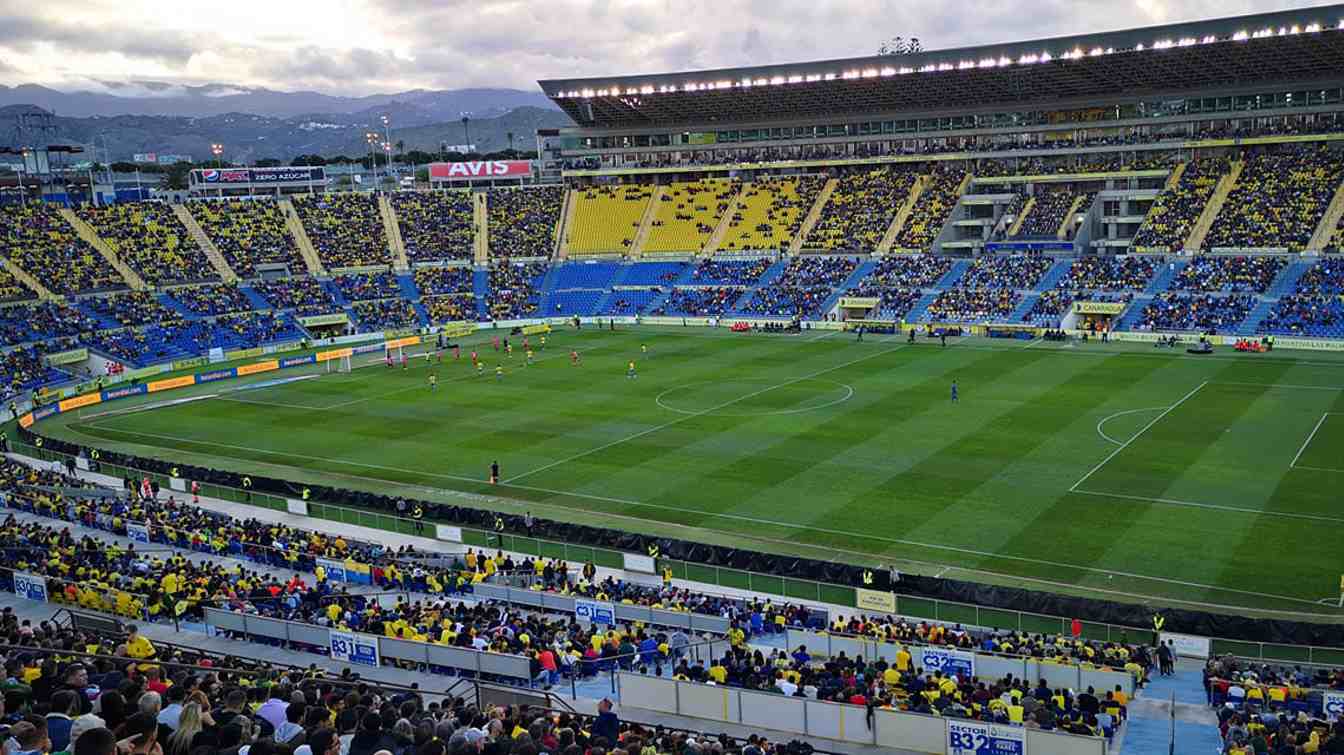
{"x": 357, "y": 47}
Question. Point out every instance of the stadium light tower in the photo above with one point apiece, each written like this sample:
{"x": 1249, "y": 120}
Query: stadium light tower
{"x": 466, "y": 133}
{"x": 387, "y": 136}
{"x": 371, "y": 139}
{"x": 218, "y": 151}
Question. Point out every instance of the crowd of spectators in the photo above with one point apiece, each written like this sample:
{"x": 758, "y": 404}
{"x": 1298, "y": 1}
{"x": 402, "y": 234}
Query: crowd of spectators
{"x": 1130, "y": 272}
{"x": 365, "y": 286}
{"x": 385, "y": 314}
{"x": 1260, "y": 707}
{"x": 346, "y": 229}
{"x": 687, "y": 214}
{"x": 1214, "y": 273}
{"x": 523, "y": 221}
{"x": 904, "y": 271}
{"x": 248, "y": 233}
{"x": 1278, "y": 200}
{"x": 436, "y": 225}
{"x": 41, "y": 242}
{"x": 442, "y": 309}
{"x": 729, "y": 272}
{"x": 24, "y": 368}
{"x": 256, "y": 328}
{"x": 702, "y": 301}
{"x": 149, "y": 238}
{"x": 1050, "y": 307}
{"x": 1048, "y": 212}
{"x": 860, "y": 210}
{"x": 770, "y": 211}
{"x": 130, "y": 308}
{"x": 931, "y": 210}
{"x": 12, "y": 289}
{"x": 972, "y": 305}
{"x": 432, "y": 281}
{"x": 1013, "y": 271}
{"x": 1173, "y": 310}
{"x": 1315, "y": 309}
{"x": 1175, "y": 210}
{"x": 35, "y": 322}
{"x": 1325, "y": 278}
{"x": 212, "y": 300}
{"x": 801, "y": 288}
{"x": 296, "y": 293}
{"x": 513, "y": 289}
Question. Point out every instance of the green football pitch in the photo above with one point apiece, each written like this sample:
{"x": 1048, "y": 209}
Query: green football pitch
{"x": 1117, "y": 471}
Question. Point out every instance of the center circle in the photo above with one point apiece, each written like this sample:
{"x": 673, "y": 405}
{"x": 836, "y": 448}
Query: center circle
{"x": 747, "y": 397}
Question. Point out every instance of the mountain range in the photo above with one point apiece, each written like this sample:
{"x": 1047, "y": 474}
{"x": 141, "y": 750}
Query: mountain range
{"x": 255, "y": 124}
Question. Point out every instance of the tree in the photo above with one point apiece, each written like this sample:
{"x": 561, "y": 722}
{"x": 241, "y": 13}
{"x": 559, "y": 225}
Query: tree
{"x": 268, "y": 162}
{"x": 900, "y": 46}
{"x": 177, "y": 175}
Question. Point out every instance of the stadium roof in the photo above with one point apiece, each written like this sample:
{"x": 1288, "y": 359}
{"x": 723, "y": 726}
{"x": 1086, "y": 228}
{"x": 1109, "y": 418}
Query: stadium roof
{"x": 1295, "y": 47}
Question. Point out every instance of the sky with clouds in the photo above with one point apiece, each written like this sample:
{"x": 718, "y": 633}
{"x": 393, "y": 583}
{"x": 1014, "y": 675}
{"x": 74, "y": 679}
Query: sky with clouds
{"x": 356, "y": 47}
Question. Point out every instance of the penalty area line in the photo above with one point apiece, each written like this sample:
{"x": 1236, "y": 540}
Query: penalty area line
{"x": 1141, "y": 431}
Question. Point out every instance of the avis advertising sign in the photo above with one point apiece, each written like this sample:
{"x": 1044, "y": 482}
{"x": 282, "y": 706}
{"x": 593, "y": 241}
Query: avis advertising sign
{"x": 480, "y": 169}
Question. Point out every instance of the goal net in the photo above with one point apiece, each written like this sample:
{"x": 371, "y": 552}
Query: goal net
{"x": 339, "y": 364}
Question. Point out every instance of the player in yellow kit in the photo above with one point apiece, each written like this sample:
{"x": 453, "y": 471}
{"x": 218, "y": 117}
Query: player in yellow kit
{"x": 630, "y": 370}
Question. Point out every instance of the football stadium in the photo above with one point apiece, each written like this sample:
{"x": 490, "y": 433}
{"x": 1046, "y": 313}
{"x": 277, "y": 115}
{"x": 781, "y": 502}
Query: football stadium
{"x": 984, "y": 400}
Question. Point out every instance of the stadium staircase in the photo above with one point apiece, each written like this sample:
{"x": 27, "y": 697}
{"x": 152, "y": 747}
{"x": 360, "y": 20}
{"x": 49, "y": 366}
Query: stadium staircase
{"x": 104, "y": 323}
{"x": 1166, "y": 273}
{"x": 1326, "y": 228}
{"x": 1253, "y": 318}
{"x": 948, "y": 280}
{"x": 568, "y": 212}
{"x": 1023, "y": 307}
{"x": 1133, "y": 312}
{"x": 87, "y": 233}
{"x": 767, "y": 278}
{"x": 1169, "y": 705}
{"x": 860, "y": 272}
{"x": 725, "y": 222}
{"x": 902, "y": 215}
{"x": 1067, "y": 222}
{"x": 301, "y": 240}
{"x": 622, "y": 273}
{"x": 1021, "y": 217}
{"x": 392, "y": 229}
{"x": 1286, "y": 283}
{"x": 920, "y": 307}
{"x": 1053, "y": 276}
{"x": 335, "y": 292}
{"x": 480, "y": 222}
{"x": 406, "y": 282}
{"x": 813, "y": 215}
{"x": 258, "y": 301}
{"x": 198, "y": 234}
{"x": 177, "y": 307}
{"x": 22, "y": 275}
{"x": 1195, "y": 241}
{"x": 480, "y": 289}
{"x": 646, "y": 222}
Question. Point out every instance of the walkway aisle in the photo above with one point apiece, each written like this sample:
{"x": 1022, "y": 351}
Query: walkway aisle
{"x": 1148, "y": 731}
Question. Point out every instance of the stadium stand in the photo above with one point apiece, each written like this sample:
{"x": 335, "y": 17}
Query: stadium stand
{"x": 384, "y": 314}
{"x": 607, "y": 218}
{"x": 442, "y": 309}
{"x": 130, "y": 308}
{"x": 1017, "y": 271}
{"x": 1278, "y": 200}
{"x": 801, "y": 289}
{"x": 971, "y": 305}
{"x": 513, "y": 289}
{"x": 523, "y": 221}
{"x": 22, "y": 323}
{"x": 248, "y": 232}
{"x": 906, "y": 271}
{"x": 364, "y": 286}
{"x": 257, "y": 328}
{"x": 701, "y": 301}
{"x": 302, "y": 294}
{"x": 1203, "y": 312}
{"x": 346, "y": 229}
{"x": 1048, "y": 213}
{"x": 931, "y": 210}
{"x": 1175, "y": 210}
{"x": 435, "y": 225}
{"x": 687, "y": 214}
{"x": 1110, "y": 273}
{"x": 769, "y": 213}
{"x": 1229, "y": 274}
{"x": 725, "y": 272}
{"x": 432, "y": 281}
{"x": 149, "y": 238}
{"x": 23, "y": 368}
{"x": 41, "y": 242}
{"x": 11, "y": 289}
{"x": 1315, "y": 309}
{"x": 860, "y": 210}
{"x": 211, "y": 300}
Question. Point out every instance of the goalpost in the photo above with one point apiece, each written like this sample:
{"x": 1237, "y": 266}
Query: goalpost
{"x": 339, "y": 364}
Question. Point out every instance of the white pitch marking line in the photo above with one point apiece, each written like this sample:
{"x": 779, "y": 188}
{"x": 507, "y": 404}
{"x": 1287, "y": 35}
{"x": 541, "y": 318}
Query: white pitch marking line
{"x": 1108, "y": 418}
{"x": 1320, "y": 469}
{"x": 282, "y": 405}
{"x": 1284, "y": 385}
{"x": 1216, "y": 507}
{"x": 686, "y": 417}
{"x": 1141, "y": 431}
{"x": 1307, "y": 442}
{"x": 722, "y": 515}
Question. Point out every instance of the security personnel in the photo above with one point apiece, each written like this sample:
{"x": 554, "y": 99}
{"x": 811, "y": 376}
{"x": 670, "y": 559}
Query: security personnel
{"x": 418, "y": 515}
{"x": 1158, "y": 621}
{"x": 4, "y": 442}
